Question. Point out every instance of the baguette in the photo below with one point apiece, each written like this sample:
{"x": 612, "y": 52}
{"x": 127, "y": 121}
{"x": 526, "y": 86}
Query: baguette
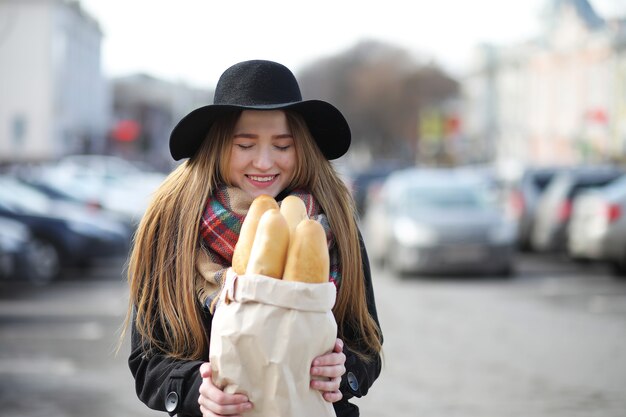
{"x": 294, "y": 211}
{"x": 308, "y": 258}
{"x": 271, "y": 243}
{"x": 241, "y": 253}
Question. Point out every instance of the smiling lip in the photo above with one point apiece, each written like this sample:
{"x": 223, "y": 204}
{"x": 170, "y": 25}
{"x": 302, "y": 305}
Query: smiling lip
{"x": 261, "y": 180}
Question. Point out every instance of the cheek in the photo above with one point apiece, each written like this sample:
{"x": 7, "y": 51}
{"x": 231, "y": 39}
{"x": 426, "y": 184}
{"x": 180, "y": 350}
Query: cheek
{"x": 288, "y": 163}
{"x": 236, "y": 164}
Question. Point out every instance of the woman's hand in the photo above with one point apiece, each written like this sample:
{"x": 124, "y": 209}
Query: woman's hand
{"x": 214, "y": 402}
{"x": 326, "y": 372}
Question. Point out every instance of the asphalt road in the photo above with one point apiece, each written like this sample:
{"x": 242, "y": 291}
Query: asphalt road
{"x": 550, "y": 341}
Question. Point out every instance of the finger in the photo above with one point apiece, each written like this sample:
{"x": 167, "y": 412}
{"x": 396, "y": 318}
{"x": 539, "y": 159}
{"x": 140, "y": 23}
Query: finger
{"x": 330, "y": 359}
{"x": 205, "y": 411}
{"x": 332, "y": 397}
{"x": 205, "y": 370}
{"x": 209, "y": 393}
{"x": 221, "y": 409}
{"x": 228, "y": 410}
{"x": 326, "y": 385}
{"x": 338, "y": 346}
{"x": 331, "y": 371}
{"x": 208, "y": 413}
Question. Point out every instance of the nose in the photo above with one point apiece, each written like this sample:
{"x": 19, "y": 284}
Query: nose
{"x": 263, "y": 159}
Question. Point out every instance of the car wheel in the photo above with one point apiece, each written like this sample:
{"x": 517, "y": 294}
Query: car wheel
{"x": 43, "y": 262}
{"x": 506, "y": 272}
{"x": 619, "y": 268}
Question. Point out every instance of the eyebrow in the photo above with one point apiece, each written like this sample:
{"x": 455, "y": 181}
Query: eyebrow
{"x": 253, "y": 136}
{"x": 284, "y": 136}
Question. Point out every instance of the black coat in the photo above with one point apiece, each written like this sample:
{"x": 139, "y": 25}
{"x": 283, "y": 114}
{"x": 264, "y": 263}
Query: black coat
{"x": 171, "y": 385}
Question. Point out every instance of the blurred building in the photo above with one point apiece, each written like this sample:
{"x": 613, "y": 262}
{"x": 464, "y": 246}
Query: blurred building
{"x": 557, "y": 99}
{"x": 145, "y": 110}
{"x": 53, "y": 95}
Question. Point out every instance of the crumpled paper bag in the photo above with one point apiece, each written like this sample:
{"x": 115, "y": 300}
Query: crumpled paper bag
{"x": 264, "y": 337}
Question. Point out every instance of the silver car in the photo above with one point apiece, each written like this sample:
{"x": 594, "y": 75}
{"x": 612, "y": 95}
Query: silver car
{"x": 523, "y": 198}
{"x": 597, "y": 229}
{"x": 550, "y": 229}
{"x": 440, "y": 221}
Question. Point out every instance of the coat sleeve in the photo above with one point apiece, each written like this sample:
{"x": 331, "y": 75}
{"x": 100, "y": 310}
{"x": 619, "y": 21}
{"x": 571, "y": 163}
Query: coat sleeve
{"x": 360, "y": 374}
{"x": 164, "y": 383}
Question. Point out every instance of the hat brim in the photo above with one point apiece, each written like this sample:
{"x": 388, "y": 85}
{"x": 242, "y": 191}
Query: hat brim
{"x": 325, "y": 122}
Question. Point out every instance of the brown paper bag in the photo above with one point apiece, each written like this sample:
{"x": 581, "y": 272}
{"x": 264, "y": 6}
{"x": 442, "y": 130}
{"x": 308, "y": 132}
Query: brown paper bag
{"x": 264, "y": 337}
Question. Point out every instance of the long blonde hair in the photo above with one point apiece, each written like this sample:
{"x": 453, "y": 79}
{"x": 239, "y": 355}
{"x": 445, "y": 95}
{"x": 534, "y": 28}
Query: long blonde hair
{"x": 162, "y": 261}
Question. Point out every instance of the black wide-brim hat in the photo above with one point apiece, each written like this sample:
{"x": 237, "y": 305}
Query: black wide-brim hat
{"x": 262, "y": 85}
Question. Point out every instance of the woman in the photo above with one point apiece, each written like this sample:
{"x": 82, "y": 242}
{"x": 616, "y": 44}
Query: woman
{"x": 259, "y": 137}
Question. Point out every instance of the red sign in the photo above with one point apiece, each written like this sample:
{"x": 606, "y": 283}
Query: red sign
{"x": 598, "y": 115}
{"x": 126, "y": 131}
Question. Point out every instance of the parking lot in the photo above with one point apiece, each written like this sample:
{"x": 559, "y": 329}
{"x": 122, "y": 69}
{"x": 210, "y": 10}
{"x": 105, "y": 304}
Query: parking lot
{"x": 547, "y": 342}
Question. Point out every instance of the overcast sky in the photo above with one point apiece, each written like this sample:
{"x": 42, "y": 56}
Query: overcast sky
{"x": 196, "y": 40}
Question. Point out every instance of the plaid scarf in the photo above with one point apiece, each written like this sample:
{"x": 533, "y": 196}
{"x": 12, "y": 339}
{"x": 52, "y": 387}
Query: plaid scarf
{"x": 219, "y": 232}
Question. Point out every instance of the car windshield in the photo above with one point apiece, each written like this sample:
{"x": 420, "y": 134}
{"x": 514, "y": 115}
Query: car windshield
{"x": 21, "y": 198}
{"x": 447, "y": 198}
{"x": 616, "y": 188}
{"x": 584, "y": 184}
{"x": 541, "y": 180}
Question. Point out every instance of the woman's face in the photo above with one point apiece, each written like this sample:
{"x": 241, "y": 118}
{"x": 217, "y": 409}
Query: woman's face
{"x": 263, "y": 155}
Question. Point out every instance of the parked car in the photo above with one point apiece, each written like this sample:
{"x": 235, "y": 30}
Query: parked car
{"x": 523, "y": 198}
{"x": 69, "y": 233}
{"x": 363, "y": 182}
{"x": 78, "y": 194}
{"x": 111, "y": 183}
{"x": 597, "y": 229}
{"x": 549, "y": 233}
{"x": 23, "y": 257}
{"x": 440, "y": 221}
{"x": 58, "y": 192}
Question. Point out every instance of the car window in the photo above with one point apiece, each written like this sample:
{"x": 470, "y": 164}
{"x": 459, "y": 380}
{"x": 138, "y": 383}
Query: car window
{"x": 590, "y": 184}
{"x": 447, "y": 198}
{"x": 541, "y": 181}
{"x": 616, "y": 188}
{"x": 20, "y": 198}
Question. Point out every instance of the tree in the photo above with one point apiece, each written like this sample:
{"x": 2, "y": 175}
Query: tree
{"x": 380, "y": 89}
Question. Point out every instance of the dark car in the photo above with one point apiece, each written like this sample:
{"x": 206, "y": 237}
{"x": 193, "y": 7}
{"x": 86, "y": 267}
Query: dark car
{"x": 549, "y": 233}
{"x": 14, "y": 240}
{"x": 523, "y": 199}
{"x": 74, "y": 235}
{"x": 23, "y": 257}
{"x": 72, "y": 196}
{"x": 365, "y": 181}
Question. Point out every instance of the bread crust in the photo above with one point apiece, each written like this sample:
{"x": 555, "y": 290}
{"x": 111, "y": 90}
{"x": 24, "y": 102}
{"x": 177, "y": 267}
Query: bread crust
{"x": 243, "y": 248}
{"x": 308, "y": 259}
{"x": 294, "y": 211}
{"x": 269, "y": 251}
